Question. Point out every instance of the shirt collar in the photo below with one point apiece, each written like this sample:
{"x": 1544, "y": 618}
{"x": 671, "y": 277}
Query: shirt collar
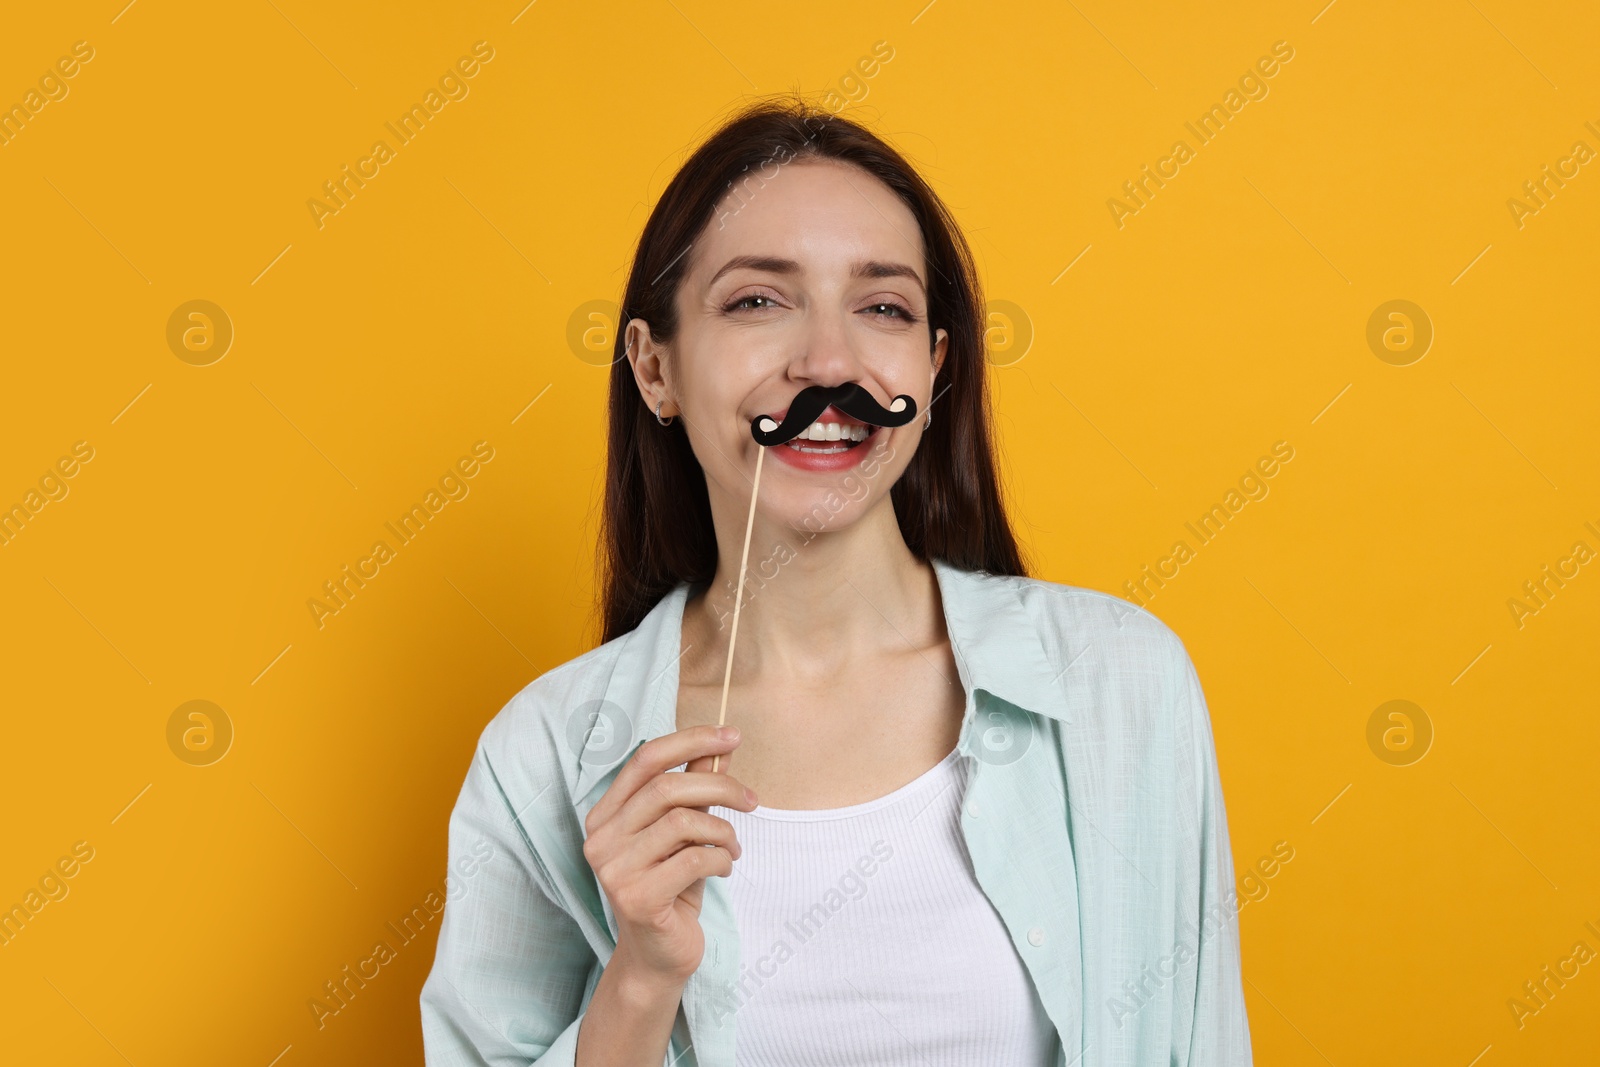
{"x": 996, "y": 644}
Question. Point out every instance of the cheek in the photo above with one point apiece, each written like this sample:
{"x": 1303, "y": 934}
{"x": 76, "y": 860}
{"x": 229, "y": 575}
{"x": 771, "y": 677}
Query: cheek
{"x": 883, "y": 463}
{"x": 718, "y": 451}
{"x": 720, "y": 384}
{"x": 720, "y": 439}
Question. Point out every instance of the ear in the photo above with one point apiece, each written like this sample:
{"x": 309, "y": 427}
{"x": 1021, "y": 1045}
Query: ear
{"x": 941, "y": 346}
{"x": 645, "y": 356}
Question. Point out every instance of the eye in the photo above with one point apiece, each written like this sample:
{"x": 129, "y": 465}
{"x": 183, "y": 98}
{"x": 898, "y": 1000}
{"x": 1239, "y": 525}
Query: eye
{"x": 899, "y": 310}
{"x": 739, "y": 304}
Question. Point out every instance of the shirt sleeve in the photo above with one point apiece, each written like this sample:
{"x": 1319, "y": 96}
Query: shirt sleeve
{"x": 511, "y": 965}
{"x": 1218, "y": 1034}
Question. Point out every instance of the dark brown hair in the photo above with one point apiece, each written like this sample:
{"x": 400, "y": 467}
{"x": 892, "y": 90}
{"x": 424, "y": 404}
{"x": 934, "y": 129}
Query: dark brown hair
{"x": 656, "y": 527}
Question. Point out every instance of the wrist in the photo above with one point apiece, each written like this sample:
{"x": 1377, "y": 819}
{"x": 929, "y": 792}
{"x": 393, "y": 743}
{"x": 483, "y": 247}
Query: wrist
{"x": 640, "y": 985}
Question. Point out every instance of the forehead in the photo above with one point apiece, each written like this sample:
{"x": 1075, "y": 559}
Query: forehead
{"x": 825, "y": 215}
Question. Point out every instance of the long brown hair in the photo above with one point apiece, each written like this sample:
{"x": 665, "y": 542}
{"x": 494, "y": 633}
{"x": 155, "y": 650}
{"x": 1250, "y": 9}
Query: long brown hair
{"x": 656, "y": 527}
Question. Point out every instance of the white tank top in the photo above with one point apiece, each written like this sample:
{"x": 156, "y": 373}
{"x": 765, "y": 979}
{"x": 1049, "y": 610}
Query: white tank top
{"x": 866, "y": 939}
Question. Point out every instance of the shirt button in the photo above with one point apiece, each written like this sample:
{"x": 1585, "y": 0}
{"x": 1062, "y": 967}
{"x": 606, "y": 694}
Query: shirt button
{"x": 1036, "y": 936}
{"x": 972, "y": 809}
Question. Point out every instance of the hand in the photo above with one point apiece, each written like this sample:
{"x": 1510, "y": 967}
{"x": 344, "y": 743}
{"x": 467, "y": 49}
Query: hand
{"x": 648, "y": 840}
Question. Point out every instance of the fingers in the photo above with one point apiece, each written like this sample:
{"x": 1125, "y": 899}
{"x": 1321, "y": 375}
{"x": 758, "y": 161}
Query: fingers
{"x": 703, "y": 763}
{"x": 678, "y": 829}
{"x": 690, "y": 790}
{"x": 635, "y": 859}
{"x": 687, "y": 867}
{"x": 653, "y": 758}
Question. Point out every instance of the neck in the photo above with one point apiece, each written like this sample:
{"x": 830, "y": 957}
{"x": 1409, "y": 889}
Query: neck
{"x": 812, "y": 601}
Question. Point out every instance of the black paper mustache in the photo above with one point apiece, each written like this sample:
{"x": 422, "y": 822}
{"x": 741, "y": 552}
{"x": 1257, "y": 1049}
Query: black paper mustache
{"x": 813, "y": 400}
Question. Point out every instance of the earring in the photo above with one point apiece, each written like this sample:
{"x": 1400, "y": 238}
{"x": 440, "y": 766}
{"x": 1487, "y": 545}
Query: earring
{"x": 928, "y": 420}
{"x": 666, "y": 421}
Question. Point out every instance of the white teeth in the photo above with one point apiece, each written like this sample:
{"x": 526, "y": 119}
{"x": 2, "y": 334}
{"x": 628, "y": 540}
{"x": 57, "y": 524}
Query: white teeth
{"x": 834, "y": 431}
{"x": 842, "y": 433}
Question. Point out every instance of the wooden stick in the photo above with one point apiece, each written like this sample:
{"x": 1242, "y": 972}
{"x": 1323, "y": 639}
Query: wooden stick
{"x": 738, "y": 599}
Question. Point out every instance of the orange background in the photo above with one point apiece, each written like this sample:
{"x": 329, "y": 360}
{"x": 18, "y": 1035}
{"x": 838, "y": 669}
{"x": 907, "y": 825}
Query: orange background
{"x": 436, "y": 308}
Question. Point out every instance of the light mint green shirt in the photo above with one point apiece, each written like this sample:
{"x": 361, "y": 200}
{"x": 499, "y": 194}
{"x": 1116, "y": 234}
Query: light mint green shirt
{"x": 1093, "y": 816}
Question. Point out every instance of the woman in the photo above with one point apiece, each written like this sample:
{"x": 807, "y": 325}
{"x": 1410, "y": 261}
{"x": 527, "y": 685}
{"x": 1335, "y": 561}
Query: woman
{"x": 976, "y": 816}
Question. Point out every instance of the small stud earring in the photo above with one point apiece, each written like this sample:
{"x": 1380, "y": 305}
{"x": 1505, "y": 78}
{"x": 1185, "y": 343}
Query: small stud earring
{"x": 666, "y": 421}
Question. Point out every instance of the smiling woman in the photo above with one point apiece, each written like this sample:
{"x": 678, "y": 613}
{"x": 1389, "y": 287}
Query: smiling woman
{"x": 901, "y": 688}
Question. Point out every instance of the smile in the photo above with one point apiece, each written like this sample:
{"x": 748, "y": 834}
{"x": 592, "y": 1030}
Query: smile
{"x": 834, "y": 437}
{"x": 834, "y": 443}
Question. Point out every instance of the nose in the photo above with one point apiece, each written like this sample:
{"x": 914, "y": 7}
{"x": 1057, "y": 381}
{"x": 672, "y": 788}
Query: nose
{"x": 825, "y": 354}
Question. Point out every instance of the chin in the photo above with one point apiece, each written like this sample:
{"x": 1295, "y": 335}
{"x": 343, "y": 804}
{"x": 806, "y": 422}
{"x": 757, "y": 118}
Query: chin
{"x": 826, "y": 510}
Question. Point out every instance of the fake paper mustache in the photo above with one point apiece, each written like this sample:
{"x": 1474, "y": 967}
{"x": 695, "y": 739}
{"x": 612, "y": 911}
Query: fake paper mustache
{"x": 813, "y": 400}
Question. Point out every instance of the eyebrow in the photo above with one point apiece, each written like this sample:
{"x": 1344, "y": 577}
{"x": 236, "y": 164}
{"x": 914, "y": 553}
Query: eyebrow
{"x": 868, "y": 268}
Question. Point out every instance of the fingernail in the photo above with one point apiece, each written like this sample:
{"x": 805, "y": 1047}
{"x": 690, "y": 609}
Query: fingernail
{"x": 729, "y": 733}
{"x": 749, "y": 795}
